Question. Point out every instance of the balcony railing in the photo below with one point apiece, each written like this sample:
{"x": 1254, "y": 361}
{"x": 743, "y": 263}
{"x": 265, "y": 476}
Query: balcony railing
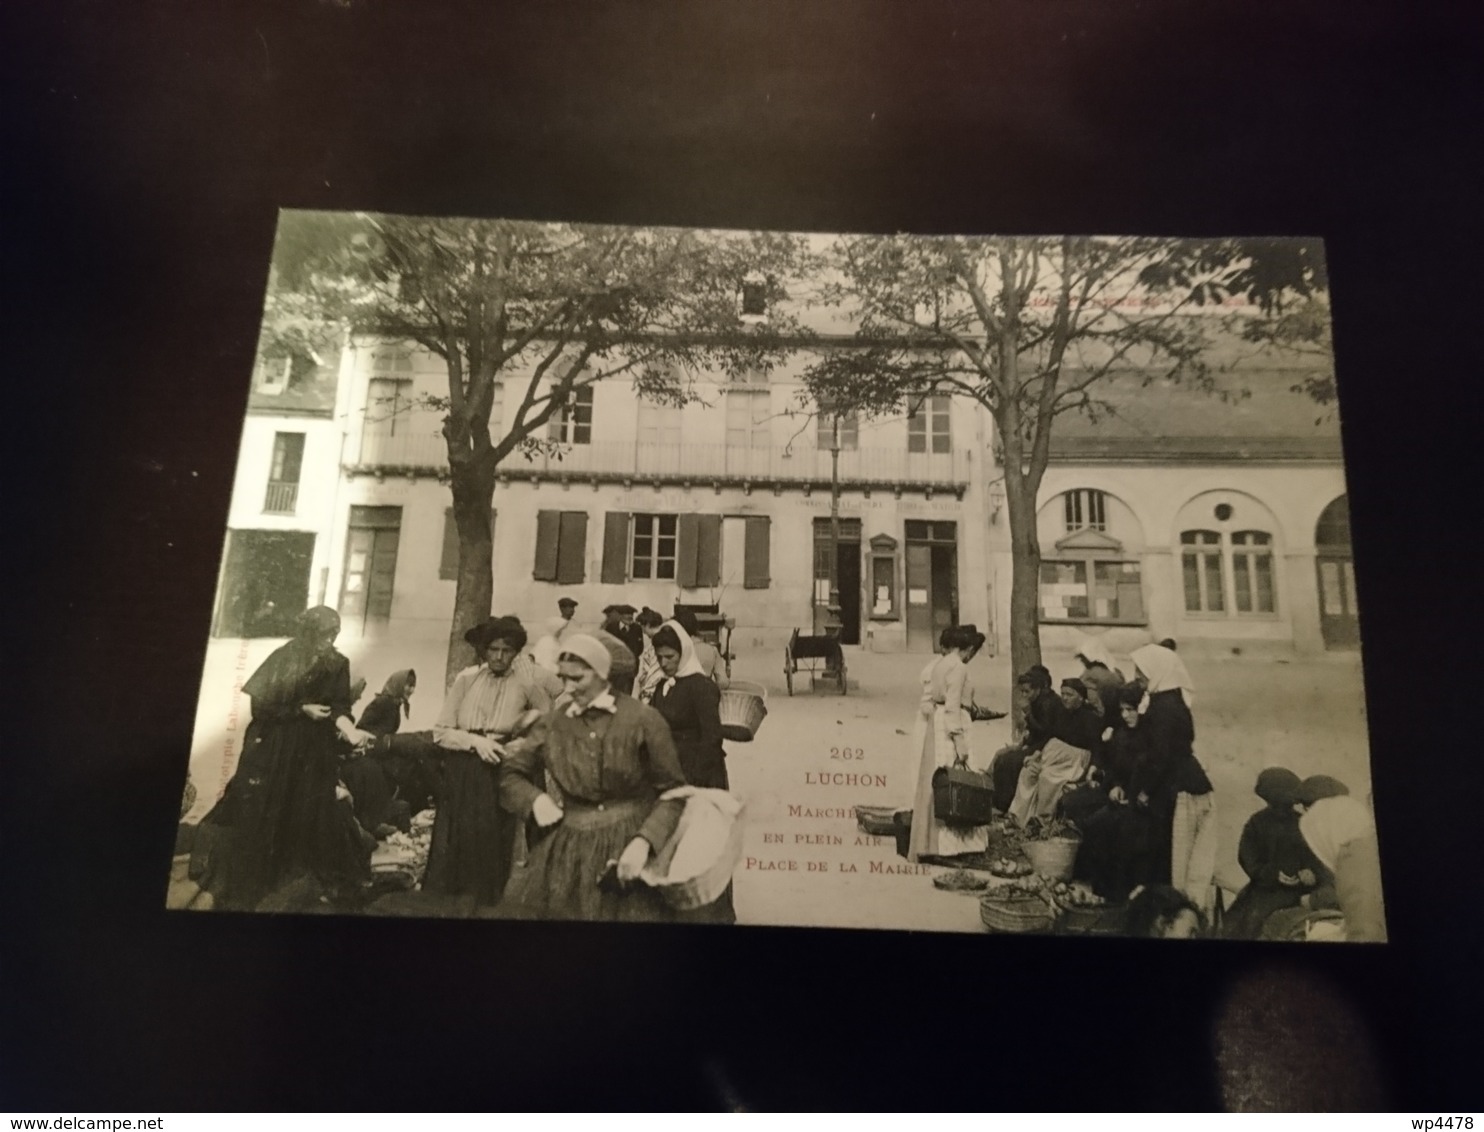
{"x": 281, "y": 499}
{"x": 423, "y": 451}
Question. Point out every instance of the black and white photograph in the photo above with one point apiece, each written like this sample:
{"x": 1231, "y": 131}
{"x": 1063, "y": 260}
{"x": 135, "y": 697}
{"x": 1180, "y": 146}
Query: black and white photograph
{"x": 957, "y": 584}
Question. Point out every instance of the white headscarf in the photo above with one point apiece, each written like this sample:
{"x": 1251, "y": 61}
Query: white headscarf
{"x": 1165, "y": 670}
{"x": 1330, "y": 824}
{"x": 1094, "y": 651}
{"x": 548, "y": 649}
{"x": 689, "y": 664}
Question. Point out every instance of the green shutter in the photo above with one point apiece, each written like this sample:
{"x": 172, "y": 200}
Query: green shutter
{"x": 708, "y": 550}
{"x": 757, "y": 553}
{"x": 548, "y": 533}
{"x": 685, "y": 551}
{"x": 572, "y": 548}
{"x": 615, "y": 548}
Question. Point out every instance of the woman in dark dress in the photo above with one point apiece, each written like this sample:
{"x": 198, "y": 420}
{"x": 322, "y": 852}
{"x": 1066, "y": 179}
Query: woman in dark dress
{"x": 1040, "y": 708}
{"x": 473, "y": 842}
{"x": 690, "y": 702}
{"x": 395, "y": 776}
{"x": 288, "y": 827}
{"x": 1119, "y": 841}
{"x": 592, "y": 779}
{"x": 1280, "y": 867}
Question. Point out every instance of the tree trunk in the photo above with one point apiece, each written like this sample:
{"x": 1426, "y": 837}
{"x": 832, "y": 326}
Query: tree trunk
{"x": 1025, "y": 574}
{"x": 473, "y": 484}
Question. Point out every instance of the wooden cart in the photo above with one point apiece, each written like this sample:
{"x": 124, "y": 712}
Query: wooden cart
{"x": 821, "y": 656}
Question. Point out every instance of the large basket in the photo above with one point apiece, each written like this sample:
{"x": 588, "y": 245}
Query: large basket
{"x": 1054, "y": 858}
{"x": 1087, "y": 921}
{"x": 706, "y": 887}
{"x": 1016, "y": 914}
{"x": 743, "y": 707}
{"x": 879, "y": 821}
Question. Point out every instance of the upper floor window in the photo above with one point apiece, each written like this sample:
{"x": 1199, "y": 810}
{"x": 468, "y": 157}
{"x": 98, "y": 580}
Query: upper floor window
{"x": 274, "y": 372}
{"x": 659, "y": 424}
{"x": 388, "y": 406}
{"x": 748, "y": 425}
{"x": 928, "y": 425}
{"x": 284, "y": 472}
{"x": 573, "y": 422}
{"x": 849, "y": 429}
{"x": 1085, "y": 510}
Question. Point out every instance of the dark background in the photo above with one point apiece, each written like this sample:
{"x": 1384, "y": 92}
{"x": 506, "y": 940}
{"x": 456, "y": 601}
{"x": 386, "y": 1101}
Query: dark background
{"x": 148, "y": 147}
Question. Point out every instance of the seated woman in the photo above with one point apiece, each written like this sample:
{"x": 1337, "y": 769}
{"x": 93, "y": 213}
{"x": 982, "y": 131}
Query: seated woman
{"x": 590, "y": 778}
{"x": 1342, "y": 834}
{"x": 1038, "y": 706}
{"x": 371, "y": 775}
{"x": 690, "y": 703}
{"x": 1076, "y": 728}
{"x": 473, "y": 836}
{"x": 1103, "y": 680}
{"x": 1280, "y": 867}
{"x": 1117, "y": 852}
{"x": 1162, "y": 912}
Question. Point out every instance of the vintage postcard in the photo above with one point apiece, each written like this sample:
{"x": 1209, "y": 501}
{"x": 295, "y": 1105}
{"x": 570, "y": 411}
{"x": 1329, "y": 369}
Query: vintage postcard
{"x": 972, "y": 584}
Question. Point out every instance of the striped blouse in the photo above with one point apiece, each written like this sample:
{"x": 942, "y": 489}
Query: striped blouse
{"x": 481, "y": 702}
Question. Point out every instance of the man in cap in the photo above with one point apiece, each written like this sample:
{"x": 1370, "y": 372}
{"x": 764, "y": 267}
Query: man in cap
{"x": 567, "y": 607}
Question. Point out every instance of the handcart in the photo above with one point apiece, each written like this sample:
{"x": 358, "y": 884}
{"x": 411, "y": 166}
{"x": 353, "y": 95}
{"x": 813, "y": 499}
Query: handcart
{"x": 812, "y": 651}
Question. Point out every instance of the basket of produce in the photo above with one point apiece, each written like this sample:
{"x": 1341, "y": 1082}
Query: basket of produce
{"x": 1018, "y": 907}
{"x": 1051, "y": 846}
{"x": 743, "y": 707}
{"x": 1008, "y": 868}
{"x": 876, "y": 820}
{"x": 1081, "y": 909}
{"x": 962, "y": 796}
{"x": 960, "y": 880}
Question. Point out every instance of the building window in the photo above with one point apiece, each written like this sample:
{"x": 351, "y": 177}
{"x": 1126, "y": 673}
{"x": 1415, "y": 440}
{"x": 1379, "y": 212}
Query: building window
{"x": 370, "y": 564}
{"x": 747, "y": 419}
{"x": 755, "y": 297}
{"x": 388, "y": 406}
{"x": 659, "y": 424}
{"x": 928, "y": 426}
{"x": 283, "y": 474}
{"x": 1252, "y": 571}
{"x": 1201, "y": 564}
{"x": 849, "y": 429}
{"x": 653, "y": 552}
{"x": 573, "y": 422}
{"x": 1086, "y": 510}
{"x": 274, "y": 373}
{"x": 1092, "y": 590}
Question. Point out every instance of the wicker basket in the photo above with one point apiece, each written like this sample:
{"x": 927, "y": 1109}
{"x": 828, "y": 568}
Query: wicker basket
{"x": 1053, "y": 858}
{"x": 743, "y": 707}
{"x": 707, "y": 887}
{"x": 1016, "y": 913}
{"x": 1075, "y": 918}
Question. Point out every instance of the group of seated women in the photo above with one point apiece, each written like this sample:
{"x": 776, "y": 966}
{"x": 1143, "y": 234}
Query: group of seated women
{"x": 557, "y": 767}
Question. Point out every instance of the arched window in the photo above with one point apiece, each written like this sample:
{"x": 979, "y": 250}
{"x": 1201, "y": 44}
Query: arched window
{"x": 1211, "y": 559}
{"x": 1085, "y": 510}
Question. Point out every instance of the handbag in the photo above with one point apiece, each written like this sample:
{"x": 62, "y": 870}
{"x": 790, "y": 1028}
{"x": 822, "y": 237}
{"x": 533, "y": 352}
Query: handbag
{"x": 962, "y": 796}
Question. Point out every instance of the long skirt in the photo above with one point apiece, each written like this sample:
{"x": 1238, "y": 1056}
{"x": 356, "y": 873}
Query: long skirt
{"x": 1117, "y": 851}
{"x": 473, "y": 838}
{"x": 1252, "y": 907}
{"x": 1043, "y": 778}
{"x": 560, "y": 880}
{"x": 1193, "y": 848}
{"x": 931, "y": 837}
{"x": 1004, "y": 773}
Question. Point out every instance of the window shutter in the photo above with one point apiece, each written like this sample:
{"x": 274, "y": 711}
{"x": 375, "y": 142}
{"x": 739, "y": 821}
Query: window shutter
{"x": 548, "y": 532}
{"x": 572, "y": 548}
{"x": 615, "y": 548}
{"x": 757, "y": 553}
{"x": 685, "y": 551}
{"x": 448, "y": 564}
{"x": 708, "y": 550}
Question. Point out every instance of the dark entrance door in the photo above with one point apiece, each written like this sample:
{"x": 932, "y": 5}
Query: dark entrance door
{"x": 265, "y": 583}
{"x": 932, "y": 582}
{"x": 848, "y": 576}
{"x": 1339, "y": 616}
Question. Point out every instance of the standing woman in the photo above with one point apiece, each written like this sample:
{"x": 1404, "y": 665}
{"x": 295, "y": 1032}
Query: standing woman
{"x": 1170, "y": 780}
{"x": 281, "y": 803}
{"x": 649, "y": 675}
{"x": 473, "y": 838}
{"x": 590, "y": 778}
{"x": 945, "y": 742}
{"x": 690, "y": 702}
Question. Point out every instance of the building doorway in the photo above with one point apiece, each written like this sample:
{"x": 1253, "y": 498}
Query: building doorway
{"x": 265, "y": 583}
{"x": 848, "y": 574}
{"x": 1339, "y": 616}
{"x": 932, "y": 582}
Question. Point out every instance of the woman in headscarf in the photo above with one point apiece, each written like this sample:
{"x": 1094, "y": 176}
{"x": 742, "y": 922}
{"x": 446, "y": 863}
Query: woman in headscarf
{"x": 943, "y": 741}
{"x": 1037, "y": 706}
{"x": 1062, "y": 759}
{"x": 1341, "y": 832}
{"x": 473, "y": 837}
{"x": 366, "y": 774}
{"x": 1170, "y": 780}
{"x": 708, "y": 656}
{"x": 589, "y": 779}
{"x": 690, "y": 703}
{"x": 1119, "y": 841}
{"x": 1279, "y": 866}
{"x": 288, "y": 822}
